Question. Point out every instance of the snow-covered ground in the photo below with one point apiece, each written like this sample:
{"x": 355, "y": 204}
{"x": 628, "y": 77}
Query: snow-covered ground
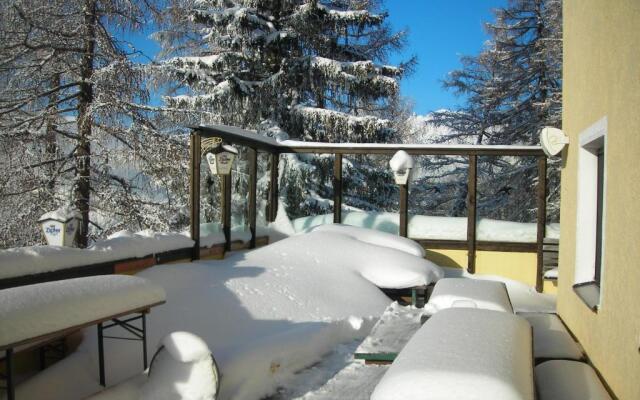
{"x": 265, "y": 314}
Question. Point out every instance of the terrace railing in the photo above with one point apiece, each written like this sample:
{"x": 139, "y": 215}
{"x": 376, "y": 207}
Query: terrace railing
{"x": 257, "y": 143}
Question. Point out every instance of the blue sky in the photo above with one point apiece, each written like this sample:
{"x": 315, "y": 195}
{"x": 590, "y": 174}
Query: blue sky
{"x": 440, "y": 31}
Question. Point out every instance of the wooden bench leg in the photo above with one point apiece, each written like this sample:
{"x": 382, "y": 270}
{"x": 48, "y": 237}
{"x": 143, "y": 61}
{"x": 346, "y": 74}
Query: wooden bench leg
{"x": 144, "y": 340}
{"x": 8, "y": 376}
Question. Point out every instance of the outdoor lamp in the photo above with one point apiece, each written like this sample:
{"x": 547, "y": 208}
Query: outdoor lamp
{"x": 220, "y": 156}
{"x": 552, "y": 140}
{"x": 401, "y": 164}
{"x": 60, "y": 226}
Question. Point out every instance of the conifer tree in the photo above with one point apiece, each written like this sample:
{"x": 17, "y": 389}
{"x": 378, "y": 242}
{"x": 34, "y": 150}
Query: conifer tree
{"x": 311, "y": 70}
{"x": 513, "y": 90}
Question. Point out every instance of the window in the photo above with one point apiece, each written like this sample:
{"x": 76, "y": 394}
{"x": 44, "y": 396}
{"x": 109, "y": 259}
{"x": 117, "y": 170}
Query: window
{"x": 591, "y": 213}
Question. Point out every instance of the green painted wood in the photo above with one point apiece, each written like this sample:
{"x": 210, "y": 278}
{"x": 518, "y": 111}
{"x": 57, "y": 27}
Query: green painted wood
{"x": 376, "y": 356}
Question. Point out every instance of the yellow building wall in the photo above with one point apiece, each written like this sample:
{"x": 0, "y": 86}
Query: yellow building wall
{"x": 513, "y": 265}
{"x": 601, "y": 77}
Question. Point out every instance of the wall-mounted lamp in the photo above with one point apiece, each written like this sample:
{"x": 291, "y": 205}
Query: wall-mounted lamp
{"x": 552, "y": 141}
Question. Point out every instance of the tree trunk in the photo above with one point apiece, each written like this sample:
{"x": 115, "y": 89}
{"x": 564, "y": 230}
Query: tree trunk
{"x": 51, "y": 144}
{"x": 83, "y": 150}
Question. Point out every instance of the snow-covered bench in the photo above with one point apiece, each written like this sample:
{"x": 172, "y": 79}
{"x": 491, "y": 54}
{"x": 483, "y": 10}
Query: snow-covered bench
{"x": 551, "y": 340}
{"x": 464, "y": 353}
{"x": 568, "y": 380}
{"x": 41, "y": 312}
{"x": 468, "y": 293}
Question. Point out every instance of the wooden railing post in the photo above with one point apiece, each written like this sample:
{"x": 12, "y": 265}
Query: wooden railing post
{"x": 194, "y": 193}
{"x": 226, "y": 210}
{"x": 272, "y": 211}
{"x": 471, "y": 213}
{"x": 404, "y": 209}
{"x": 337, "y": 189}
{"x": 541, "y": 218}
{"x": 252, "y": 155}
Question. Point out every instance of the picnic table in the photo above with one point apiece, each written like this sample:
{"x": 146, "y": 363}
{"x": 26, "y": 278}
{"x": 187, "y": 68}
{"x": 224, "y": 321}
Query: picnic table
{"x": 39, "y": 313}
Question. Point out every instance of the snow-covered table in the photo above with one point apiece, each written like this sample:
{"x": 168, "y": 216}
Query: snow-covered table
{"x": 464, "y": 353}
{"x": 41, "y": 312}
{"x": 390, "y": 334}
{"x": 469, "y": 293}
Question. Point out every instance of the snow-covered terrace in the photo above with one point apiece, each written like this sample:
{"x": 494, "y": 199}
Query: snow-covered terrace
{"x": 269, "y": 314}
{"x": 275, "y": 146}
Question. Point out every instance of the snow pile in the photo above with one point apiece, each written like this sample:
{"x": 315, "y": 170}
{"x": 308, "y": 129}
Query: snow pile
{"x": 568, "y": 380}
{"x": 182, "y": 368}
{"x": 401, "y": 161}
{"x": 265, "y": 314}
{"x": 34, "y": 310}
{"x": 184, "y": 371}
{"x": 431, "y": 227}
{"x": 470, "y": 293}
{"x": 551, "y": 340}
{"x": 280, "y": 228}
{"x": 463, "y": 353}
{"x": 375, "y": 237}
{"x": 385, "y": 267}
{"x": 121, "y": 245}
{"x": 551, "y": 273}
{"x": 126, "y": 244}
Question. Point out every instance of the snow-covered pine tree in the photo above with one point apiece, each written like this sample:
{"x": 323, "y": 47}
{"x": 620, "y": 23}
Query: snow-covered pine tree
{"x": 305, "y": 67}
{"x": 73, "y": 125}
{"x": 513, "y": 89}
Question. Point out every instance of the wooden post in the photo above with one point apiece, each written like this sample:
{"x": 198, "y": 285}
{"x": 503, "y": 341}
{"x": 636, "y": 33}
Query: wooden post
{"x": 252, "y": 155}
{"x": 404, "y": 209}
{"x": 541, "y": 218}
{"x": 471, "y": 213}
{"x": 226, "y": 210}
{"x": 337, "y": 189}
{"x": 273, "y": 188}
{"x": 194, "y": 193}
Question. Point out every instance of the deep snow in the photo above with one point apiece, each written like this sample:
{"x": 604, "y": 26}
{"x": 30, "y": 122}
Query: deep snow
{"x": 265, "y": 314}
{"x": 270, "y": 313}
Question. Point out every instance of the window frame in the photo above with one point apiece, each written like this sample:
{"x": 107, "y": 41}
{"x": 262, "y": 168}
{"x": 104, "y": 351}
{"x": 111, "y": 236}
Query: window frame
{"x": 591, "y": 214}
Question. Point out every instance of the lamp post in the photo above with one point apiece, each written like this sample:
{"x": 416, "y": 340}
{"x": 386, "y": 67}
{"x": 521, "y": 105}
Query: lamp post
{"x": 60, "y": 226}
{"x": 220, "y": 159}
{"x": 219, "y": 156}
{"x": 401, "y": 164}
